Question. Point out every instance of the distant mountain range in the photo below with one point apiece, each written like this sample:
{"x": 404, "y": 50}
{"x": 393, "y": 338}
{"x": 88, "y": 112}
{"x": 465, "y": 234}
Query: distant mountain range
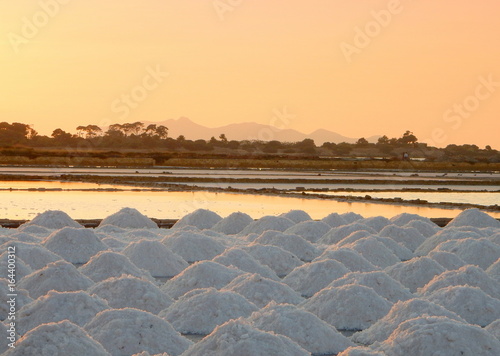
{"x": 250, "y": 131}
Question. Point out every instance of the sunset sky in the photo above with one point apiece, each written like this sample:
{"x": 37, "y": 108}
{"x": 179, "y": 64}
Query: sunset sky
{"x": 359, "y": 68}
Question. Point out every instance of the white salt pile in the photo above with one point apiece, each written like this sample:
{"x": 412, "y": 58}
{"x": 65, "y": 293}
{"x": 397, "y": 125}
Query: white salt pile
{"x": 142, "y": 234}
{"x": 442, "y": 236}
{"x": 107, "y": 264}
{"x": 34, "y": 229}
{"x": 401, "y": 312}
{"x": 129, "y": 218}
{"x": 279, "y": 260}
{"x": 245, "y": 262}
{"x": 22, "y": 269}
{"x": 399, "y": 250}
{"x": 261, "y": 291}
{"x": 131, "y": 292}
{"x": 155, "y": 257}
{"x": 110, "y": 229}
{"x": 295, "y": 244}
{"x": 334, "y": 220}
{"x": 375, "y": 252}
{"x": 114, "y": 243}
{"x": 494, "y": 270}
{"x": 351, "y": 217}
{"x": 202, "y": 310}
{"x": 77, "y": 307}
{"x": 494, "y": 329}
{"x": 24, "y": 237}
{"x": 426, "y": 229}
{"x": 448, "y": 260}
{"x": 377, "y": 223}
{"x": 60, "y": 276}
{"x": 439, "y": 336}
{"x": 74, "y": 245}
{"x": 310, "y": 230}
{"x": 22, "y": 298}
{"x": 297, "y": 216}
{"x": 350, "y": 307}
{"x": 495, "y": 238}
{"x": 335, "y": 235}
{"x": 415, "y": 273}
{"x": 57, "y": 339}
{"x": 405, "y": 218}
{"x": 471, "y": 303}
{"x": 53, "y": 220}
{"x": 266, "y": 223}
{"x": 379, "y": 281}
{"x": 119, "y": 336}
{"x": 468, "y": 275}
{"x": 306, "y": 329}
{"x": 204, "y": 274}
{"x": 355, "y": 236}
{"x": 233, "y": 224}
{"x": 474, "y": 217}
{"x": 33, "y": 255}
{"x": 360, "y": 351}
{"x": 201, "y": 218}
{"x": 479, "y": 252}
{"x": 193, "y": 247}
{"x": 350, "y": 258}
{"x": 408, "y": 237}
{"x": 238, "y": 337}
{"x": 4, "y": 342}
{"x": 310, "y": 278}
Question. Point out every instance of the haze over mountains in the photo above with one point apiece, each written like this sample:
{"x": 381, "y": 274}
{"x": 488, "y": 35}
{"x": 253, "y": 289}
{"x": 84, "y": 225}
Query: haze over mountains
{"x": 251, "y": 131}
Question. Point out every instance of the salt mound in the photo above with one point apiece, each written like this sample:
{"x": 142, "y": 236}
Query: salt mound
{"x": 305, "y": 328}
{"x": 110, "y": 229}
{"x": 335, "y": 235}
{"x": 379, "y": 281}
{"x": 201, "y": 218}
{"x": 495, "y": 238}
{"x": 375, "y": 252}
{"x": 377, "y": 223}
{"x": 193, "y": 247}
{"x": 238, "y": 337}
{"x": 350, "y": 307}
{"x": 312, "y": 277}
{"x": 297, "y": 245}
{"x": 132, "y": 292}
{"x": 351, "y": 217}
{"x": 142, "y": 234}
{"x": 155, "y": 257}
{"x": 494, "y": 329}
{"x": 494, "y": 270}
{"x": 22, "y": 269}
{"x": 245, "y": 262}
{"x": 280, "y": 261}
{"x": 265, "y": 223}
{"x": 129, "y": 331}
{"x": 202, "y": 310}
{"x": 474, "y": 217}
{"x": 233, "y": 224}
{"x": 355, "y": 236}
{"x": 310, "y": 230}
{"x": 408, "y": 237}
{"x": 415, "y": 273}
{"x": 24, "y": 237}
{"x": 107, "y": 264}
{"x": 442, "y": 236}
{"x": 467, "y": 275}
{"x": 53, "y": 220}
{"x": 74, "y": 245}
{"x": 334, "y": 220}
{"x": 399, "y": 250}
{"x": 60, "y": 276}
{"x": 114, "y": 243}
{"x": 405, "y": 218}
{"x": 129, "y": 218}
{"x": 479, "y": 252}
{"x": 261, "y": 291}
{"x": 350, "y": 258}
{"x": 426, "y": 229}
{"x": 360, "y": 351}
{"x": 77, "y": 307}
{"x": 204, "y": 274}
{"x": 439, "y": 336}
{"x": 448, "y": 260}
{"x": 297, "y": 216}
{"x": 401, "y": 312}
{"x": 35, "y": 256}
{"x": 33, "y": 229}
{"x": 22, "y": 298}
{"x": 4, "y": 343}
{"x": 471, "y": 303}
{"x": 57, "y": 339}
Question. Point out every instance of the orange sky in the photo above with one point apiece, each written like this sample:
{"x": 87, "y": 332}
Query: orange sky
{"x": 432, "y": 67}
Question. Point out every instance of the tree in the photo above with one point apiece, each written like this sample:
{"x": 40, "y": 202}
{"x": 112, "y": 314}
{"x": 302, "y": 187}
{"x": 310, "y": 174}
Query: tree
{"x": 384, "y": 140}
{"x": 223, "y": 138}
{"x": 181, "y": 138}
{"x": 162, "y": 132}
{"x": 408, "y": 138}
{"x": 90, "y": 131}
{"x": 362, "y": 142}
